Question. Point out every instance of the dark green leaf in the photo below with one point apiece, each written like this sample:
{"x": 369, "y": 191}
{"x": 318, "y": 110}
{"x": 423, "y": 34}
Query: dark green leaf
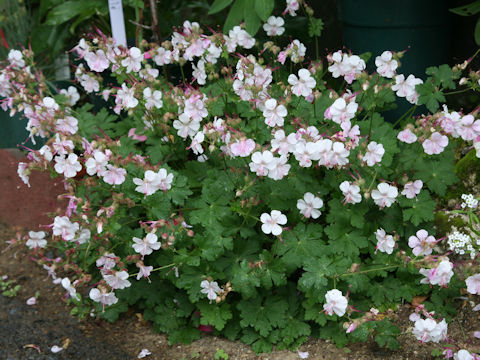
{"x": 476, "y": 32}
{"x": 218, "y": 5}
{"x": 252, "y": 21}
{"x": 215, "y": 315}
{"x": 264, "y": 8}
{"x": 315, "y": 27}
{"x": 235, "y": 15}
{"x": 70, "y": 9}
{"x": 467, "y": 10}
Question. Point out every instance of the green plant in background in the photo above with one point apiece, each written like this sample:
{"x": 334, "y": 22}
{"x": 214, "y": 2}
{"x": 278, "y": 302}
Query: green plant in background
{"x": 264, "y": 198}
{"x": 8, "y": 288}
{"x": 221, "y": 355}
{"x": 470, "y": 10}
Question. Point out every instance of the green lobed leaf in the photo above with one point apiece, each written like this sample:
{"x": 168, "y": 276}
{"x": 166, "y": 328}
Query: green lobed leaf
{"x": 215, "y": 315}
{"x": 315, "y": 27}
{"x": 263, "y": 314}
{"x": 430, "y": 96}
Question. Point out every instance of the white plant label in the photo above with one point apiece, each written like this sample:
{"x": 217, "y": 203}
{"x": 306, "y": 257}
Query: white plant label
{"x": 117, "y": 22}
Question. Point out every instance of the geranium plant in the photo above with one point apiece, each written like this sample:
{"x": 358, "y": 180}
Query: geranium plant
{"x": 265, "y": 200}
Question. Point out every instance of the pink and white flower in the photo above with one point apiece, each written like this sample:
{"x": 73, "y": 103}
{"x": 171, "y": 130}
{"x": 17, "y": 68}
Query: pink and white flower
{"x": 341, "y": 111}
{"x": 114, "y": 175}
{"x": 351, "y": 193}
{"x": 385, "y": 242}
{"x": 274, "y": 26}
{"x": 274, "y": 113}
{"x": 422, "y": 243}
{"x": 23, "y": 173}
{"x": 186, "y": 126}
{"x": 152, "y": 98}
{"x": 374, "y": 153}
{"x": 309, "y": 206}
{"x": 292, "y": 7}
{"x": 406, "y": 87}
{"x": 210, "y": 288}
{"x": 97, "y": 61}
{"x": 439, "y": 275}
{"x": 473, "y": 284}
{"x": 303, "y": 84}
{"x": 412, "y": 189}
{"x": 67, "y": 285}
{"x": 261, "y": 163}
{"x": 427, "y": 330}
{"x": 199, "y": 73}
{"x": 133, "y": 62}
{"x": 117, "y": 280}
{"x": 435, "y": 144}
{"x": 242, "y": 147}
{"x": 271, "y": 223}
{"x": 335, "y": 303}
{"x": 36, "y": 239}
{"x": 384, "y": 195}
{"x": 69, "y": 166}
{"x": 146, "y": 245}
{"x": 72, "y": 94}
{"x": 407, "y": 136}
{"x": 102, "y": 296}
{"x": 278, "y": 168}
{"x": 96, "y": 164}
{"x": 62, "y": 226}
{"x": 386, "y": 66}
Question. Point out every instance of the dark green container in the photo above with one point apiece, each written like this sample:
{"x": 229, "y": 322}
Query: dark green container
{"x": 14, "y": 134}
{"x": 421, "y": 26}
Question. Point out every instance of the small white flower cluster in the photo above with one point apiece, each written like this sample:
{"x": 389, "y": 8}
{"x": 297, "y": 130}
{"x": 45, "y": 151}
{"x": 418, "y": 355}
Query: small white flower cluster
{"x": 406, "y": 87}
{"x": 461, "y": 243}
{"x": 62, "y": 226}
{"x": 386, "y": 65}
{"x": 469, "y": 201}
{"x": 295, "y": 50}
{"x": 154, "y": 181}
{"x": 385, "y": 242}
{"x": 348, "y": 66}
{"x": 335, "y": 302}
{"x": 210, "y": 288}
{"x": 458, "y": 125}
{"x": 251, "y": 79}
{"x": 439, "y": 275}
{"x": 274, "y": 26}
{"x": 428, "y": 330}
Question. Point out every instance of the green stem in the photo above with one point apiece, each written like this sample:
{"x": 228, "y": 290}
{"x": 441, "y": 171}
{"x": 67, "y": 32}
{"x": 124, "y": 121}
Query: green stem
{"x": 374, "y": 177}
{"x": 370, "y": 126}
{"x": 156, "y": 269}
{"x": 85, "y": 257}
{"x": 458, "y": 91}
{"x": 370, "y": 270}
{"x": 474, "y": 55}
{"x": 183, "y": 75}
{"x": 408, "y": 113}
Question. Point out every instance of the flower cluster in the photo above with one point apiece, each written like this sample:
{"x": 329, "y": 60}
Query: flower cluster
{"x": 177, "y": 183}
{"x": 469, "y": 201}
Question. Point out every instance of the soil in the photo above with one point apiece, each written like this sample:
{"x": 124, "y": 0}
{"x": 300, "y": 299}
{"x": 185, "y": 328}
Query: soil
{"x": 29, "y": 331}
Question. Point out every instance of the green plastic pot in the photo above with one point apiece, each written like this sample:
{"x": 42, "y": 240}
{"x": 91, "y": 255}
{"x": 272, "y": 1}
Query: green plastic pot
{"x": 422, "y": 27}
{"x": 13, "y": 132}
